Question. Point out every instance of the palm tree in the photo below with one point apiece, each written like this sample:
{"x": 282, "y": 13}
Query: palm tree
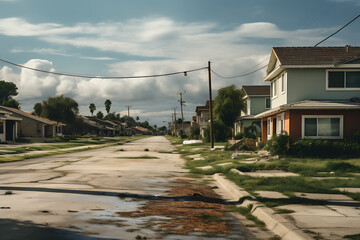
{"x": 92, "y": 108}
{"x": 107, "y": 106}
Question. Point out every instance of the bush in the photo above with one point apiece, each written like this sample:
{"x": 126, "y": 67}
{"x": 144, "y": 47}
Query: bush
{"x": 221, "y": 132}
{"x": 239, "y": 136}
{"x": 325, "y": 149}
{"x": 194, "y": 133}
{"x": 279, "y": 145}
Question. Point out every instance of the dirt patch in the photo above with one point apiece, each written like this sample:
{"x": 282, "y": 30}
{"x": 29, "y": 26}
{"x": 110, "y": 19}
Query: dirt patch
{"x": 187, "y": 215}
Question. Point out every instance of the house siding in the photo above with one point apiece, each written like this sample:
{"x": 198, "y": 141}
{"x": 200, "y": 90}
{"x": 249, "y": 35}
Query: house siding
{"x": 281, "y": 97}
{"x": 257, "y": 105}
{"x": 305, "y": 84}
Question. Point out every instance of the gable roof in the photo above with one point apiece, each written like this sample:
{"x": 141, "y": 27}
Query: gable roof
{"x": 257, "y": 90}
{"x": 316, "y": 55}
{"x": 25, "y": 114}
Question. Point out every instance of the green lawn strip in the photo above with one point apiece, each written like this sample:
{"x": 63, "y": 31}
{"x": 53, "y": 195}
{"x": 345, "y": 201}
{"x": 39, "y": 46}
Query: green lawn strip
{"x": 353, "y": 237}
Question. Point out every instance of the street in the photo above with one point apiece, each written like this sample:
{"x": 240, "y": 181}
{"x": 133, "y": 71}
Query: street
{"x": 138, "y": 190}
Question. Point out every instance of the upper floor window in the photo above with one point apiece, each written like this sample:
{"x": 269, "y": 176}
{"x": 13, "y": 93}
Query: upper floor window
{"x": 273, "y": 89}
{"x": 283, "y": 83}
{"x": 267, "y": 102}
{"x": 1, "y": 127}
{"x": 248, "y": 107}
{"x": 343, "y": 80}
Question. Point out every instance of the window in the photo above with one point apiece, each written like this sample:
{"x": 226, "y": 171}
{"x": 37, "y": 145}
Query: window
{"x": 273, "y": 89}
{"x": 280, "y": 123}
{"x": 283, "y": 83}
{"x": 268, "y": 125}
{"x": 1, "y": 127}
{"x": 267, "y": 102}
{"x": 343, "y": 80}
{"x": 39, "y": 125}
{"x": 330, "y": 127}
{"x": 248, "y": 106}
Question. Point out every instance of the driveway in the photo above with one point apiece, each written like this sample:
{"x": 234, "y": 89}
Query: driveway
{"x": 130, "y": 191}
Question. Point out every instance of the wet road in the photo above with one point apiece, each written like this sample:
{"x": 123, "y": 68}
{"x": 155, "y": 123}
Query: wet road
{"x": 79, "y": 195}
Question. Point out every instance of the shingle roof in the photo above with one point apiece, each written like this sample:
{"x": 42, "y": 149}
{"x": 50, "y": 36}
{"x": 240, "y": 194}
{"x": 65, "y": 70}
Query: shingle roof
{"x": 25, "y": 114}
{"x": 257, "y": 90}
{"x": 316, "y": 55}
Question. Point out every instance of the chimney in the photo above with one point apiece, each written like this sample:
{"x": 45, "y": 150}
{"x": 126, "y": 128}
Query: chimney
{"x": 347, "y": 48}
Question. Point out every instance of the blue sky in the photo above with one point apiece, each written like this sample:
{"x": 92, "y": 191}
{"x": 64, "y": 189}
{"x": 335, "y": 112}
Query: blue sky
{"x": 127, "y": 38}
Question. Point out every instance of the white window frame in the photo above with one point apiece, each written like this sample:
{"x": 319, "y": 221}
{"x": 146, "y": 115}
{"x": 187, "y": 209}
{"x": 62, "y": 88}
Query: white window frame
{"x": 283, "y": 82}
{"x": 340, "y": 70}
{"x": 280, "y": 123}
{"x": 274, "y": 89}
{"x": 341, "y": 135}
{"x": 268, "y": 128}
{"x": 248, "y": 106}
{"x": 269, "y": 103}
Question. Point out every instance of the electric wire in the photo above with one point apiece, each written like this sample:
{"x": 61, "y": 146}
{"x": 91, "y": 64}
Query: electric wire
{"x": 238, "y": 76}
{"x": 102, "y": 77}
{"x": 337, "y": 30}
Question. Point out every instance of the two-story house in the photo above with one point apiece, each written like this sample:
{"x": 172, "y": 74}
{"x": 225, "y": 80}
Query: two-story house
{"x": 315, "y": 93}
{"x": 257, "y": 99}
{"x": 202, "y": 117}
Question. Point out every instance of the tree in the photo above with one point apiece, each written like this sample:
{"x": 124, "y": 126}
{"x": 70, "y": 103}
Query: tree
{"x": 60, "y": 109}
{"x": 92, "y": 108}
{"x": 137, "y": 118}
{"x": 229, "y": 103}
{"x": 100, "y": 115}
{"x": 7, "y": 90}
{"x": 37, "y": 109}
{"x": 107, "y": 105}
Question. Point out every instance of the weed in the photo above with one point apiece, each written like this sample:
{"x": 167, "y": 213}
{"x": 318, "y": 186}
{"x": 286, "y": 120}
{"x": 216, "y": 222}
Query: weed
{"x": 8, "y": 192}
{"x": 275, "y": 238}
{"x": 353, "y": 237}
{"x": 139, "y": 157}
{"x": 207, "y": 218}
{"x": 146, "y": 149}
{"x": 246, "y": 211}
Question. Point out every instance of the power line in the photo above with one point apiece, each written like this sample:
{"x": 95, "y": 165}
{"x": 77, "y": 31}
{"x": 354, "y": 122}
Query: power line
{"x": 337, "y": 30}
{"x": 102, "y": 77}
{"x": 238, "y": 76}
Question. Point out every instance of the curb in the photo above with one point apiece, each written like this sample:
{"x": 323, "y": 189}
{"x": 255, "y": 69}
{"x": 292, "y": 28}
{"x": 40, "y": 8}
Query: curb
{"x": 274, "y": 222}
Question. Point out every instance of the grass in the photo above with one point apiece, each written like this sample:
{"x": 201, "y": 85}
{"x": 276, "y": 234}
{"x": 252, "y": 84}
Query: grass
{"x": 246, "y": 211}
{"x": 62, "y": 148}
{"x": 353, "y": 237}
{"x": 207, "y": 218}
{"x": 283, "y": 211}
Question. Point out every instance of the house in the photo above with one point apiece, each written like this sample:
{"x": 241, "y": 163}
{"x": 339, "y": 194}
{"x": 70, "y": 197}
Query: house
{"x": 9, "y": 126}
{"x": 32, "y": 126}
{"x": 315, "y": 93}
{"x": 99, "y": 127}
{"x": 141, "y": 131}
{"x": 257, "y": 99}
{"x": 202, "y": 118}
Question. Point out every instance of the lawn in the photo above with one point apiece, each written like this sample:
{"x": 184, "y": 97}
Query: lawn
{"x": 315, "y": 175}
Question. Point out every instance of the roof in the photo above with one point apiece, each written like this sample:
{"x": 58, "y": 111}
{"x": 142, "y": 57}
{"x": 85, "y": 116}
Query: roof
{"x": 204, "y": 108}
{"x": 316, "y": 55}
{"x": 257, "y": 90}
{"x": 312, "y": 104}
{"x": 25, "y": 114}
{"x": 141, "y": 129}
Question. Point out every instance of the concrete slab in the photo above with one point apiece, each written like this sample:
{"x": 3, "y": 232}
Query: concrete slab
{"x": 205, "y": 167}
{"x": 271, "y": 194}
{"x": 270, "y": 173}
{"x": 224, "y": 164}
{"x": 351, "y": 190}
{"x": 327, "y": 197}
{"x": 309, "y": 211}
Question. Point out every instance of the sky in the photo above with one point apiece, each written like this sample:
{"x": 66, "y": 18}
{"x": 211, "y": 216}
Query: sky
{"x": 142, "y": 37}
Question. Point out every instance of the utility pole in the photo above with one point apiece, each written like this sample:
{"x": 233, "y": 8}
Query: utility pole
{"x": 175, "y": 120}
{"x": 210, "y": 108}
{"x": 128, "y": 107}
{"x": 182, "y": 114}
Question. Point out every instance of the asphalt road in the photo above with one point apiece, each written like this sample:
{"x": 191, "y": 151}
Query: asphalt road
{"x": 78, "y": 195}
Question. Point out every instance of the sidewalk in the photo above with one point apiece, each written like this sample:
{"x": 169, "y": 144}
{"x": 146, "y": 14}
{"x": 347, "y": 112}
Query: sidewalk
{"x": 338, "y": 217}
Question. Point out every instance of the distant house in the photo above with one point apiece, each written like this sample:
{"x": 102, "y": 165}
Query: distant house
{"x": 32, "y": 126}
{"x": 99, "y": 127}
{"x": 257, "y": 99}
{"x": 9, "y": 126}
{"x": 315, "y": 93}
{"x": 202, "y": 118}
{"x": 141, "y": 131}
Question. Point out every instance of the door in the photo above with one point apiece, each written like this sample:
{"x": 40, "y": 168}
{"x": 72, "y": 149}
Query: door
{"x": 10, "y": 130}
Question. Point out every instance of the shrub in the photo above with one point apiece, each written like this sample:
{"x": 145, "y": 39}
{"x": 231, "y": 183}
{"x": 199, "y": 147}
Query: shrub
{"x": 279, "y": 145}
{"x": 194, "y": 133}
{"x": 239, "y": 136}
{"x": 221, "y": 132}
{"x": 325, "y": 149}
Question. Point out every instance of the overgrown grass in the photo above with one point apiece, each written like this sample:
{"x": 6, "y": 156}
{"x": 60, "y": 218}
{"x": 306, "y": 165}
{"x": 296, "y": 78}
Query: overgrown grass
{"x": 246, "y": 211}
